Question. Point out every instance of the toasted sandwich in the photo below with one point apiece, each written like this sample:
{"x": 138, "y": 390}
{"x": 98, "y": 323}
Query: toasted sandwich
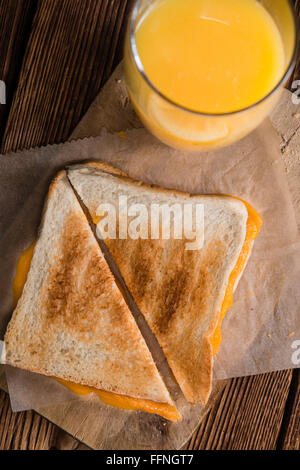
{"x": 72, "y": 322}
{"x": 184, "y": 295}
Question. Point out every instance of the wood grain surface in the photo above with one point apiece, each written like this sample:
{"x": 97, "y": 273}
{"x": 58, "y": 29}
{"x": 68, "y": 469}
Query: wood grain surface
{"x": 16, "y": 18}
{"x": 55, "y": 55}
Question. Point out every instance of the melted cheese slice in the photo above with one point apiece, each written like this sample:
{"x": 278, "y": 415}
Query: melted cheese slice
{"x": 123, "y": 402}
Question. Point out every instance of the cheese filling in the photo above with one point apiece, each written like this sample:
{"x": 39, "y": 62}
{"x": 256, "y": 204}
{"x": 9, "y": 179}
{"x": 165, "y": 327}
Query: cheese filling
{"x": 123, "y": 402}
{"x": 22, "y": 271}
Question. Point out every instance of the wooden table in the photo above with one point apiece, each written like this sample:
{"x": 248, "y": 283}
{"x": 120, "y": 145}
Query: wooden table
{"x": 55, "y": 55}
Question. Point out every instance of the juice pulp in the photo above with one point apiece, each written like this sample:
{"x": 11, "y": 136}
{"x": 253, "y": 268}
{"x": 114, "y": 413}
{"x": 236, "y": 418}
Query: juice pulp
{"x": 209, "y": 56}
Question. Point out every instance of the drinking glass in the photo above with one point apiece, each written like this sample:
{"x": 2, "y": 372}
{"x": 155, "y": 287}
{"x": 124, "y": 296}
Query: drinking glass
{"x": 186, "y": 129}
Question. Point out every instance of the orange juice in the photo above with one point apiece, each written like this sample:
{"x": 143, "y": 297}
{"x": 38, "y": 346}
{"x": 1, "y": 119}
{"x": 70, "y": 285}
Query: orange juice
{"x": 212, "y": 56}
{"x": 208, "y": 58}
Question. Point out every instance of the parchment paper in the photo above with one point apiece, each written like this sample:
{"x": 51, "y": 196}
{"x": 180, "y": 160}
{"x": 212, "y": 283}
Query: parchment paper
{"x": 264, "y": 322}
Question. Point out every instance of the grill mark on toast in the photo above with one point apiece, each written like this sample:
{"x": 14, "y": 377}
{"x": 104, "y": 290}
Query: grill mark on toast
{"x": 180, "y": 284}
{"x": 76, "y": 281}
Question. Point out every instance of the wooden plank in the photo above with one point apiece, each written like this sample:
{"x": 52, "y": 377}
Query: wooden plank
{"x": 296, "y": 74}
{"x": 73, "y": 46}
{"x": 15, "y": 22}
{"x": 280, "y": 430}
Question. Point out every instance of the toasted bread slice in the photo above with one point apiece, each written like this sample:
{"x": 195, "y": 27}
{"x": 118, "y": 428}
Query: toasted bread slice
{"x": 72, "y": 322}
{"x": 181, "y": 293}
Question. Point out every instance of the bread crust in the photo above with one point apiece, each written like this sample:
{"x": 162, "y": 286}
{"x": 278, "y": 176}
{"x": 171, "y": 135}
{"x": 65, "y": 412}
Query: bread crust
{"x": 72, "y": 321}
{"x": 179, "y": 292}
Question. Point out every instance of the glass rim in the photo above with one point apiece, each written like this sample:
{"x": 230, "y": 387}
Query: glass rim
{"x": 139, "y": 64}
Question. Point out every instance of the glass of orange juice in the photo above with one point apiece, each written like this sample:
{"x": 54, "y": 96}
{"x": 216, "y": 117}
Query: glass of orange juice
{"x": 204, "y": 73}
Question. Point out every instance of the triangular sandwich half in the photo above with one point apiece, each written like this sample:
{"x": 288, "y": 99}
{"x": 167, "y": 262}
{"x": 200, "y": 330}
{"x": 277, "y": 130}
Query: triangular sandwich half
{"x": 72, "y": 322}
{"x": 183, "y": 294}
